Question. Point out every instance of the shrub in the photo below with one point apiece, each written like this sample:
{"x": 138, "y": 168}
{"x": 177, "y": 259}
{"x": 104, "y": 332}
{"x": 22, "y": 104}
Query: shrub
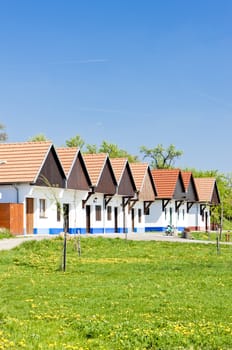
{"x": 5, "y": 233}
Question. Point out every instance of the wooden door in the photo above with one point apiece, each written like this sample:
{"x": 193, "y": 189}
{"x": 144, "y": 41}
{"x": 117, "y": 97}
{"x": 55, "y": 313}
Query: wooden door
{"x": 88, "y": 223}
{"x": 29, "y": 216}
{"x": 116, "y": 219}
{"x": 206, "y": 221}
{"x": 133, "y": 220}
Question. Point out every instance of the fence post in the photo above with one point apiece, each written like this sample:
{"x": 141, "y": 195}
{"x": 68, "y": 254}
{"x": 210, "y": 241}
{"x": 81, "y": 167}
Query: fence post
{"x": 79, "y": 244}
{"x": 64, "y": 252}
{"x": 218, "y": 245}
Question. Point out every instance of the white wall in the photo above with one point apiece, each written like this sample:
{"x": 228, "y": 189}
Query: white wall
{"x": 155, "y": 221}
{"x": 158, "y": 219}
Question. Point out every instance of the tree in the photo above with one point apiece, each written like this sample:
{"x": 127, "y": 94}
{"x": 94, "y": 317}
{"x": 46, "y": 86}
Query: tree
{"x": 75, "y": 141}
{"x": 91, "y": 149}
{"x": 111, "y": 149}
{"x": 115, "y": 152}
{"x": 3, "y": 135}
{"x": 38, "y": 138}
{"x": 160, "y": 157}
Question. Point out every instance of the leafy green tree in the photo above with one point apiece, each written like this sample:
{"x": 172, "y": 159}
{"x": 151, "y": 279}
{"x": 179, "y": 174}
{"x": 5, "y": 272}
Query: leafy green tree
{"x": 115, "y": 152}
{"x": 112, "y": 149}
{"x": 91, "y": 149}
{"x": 3, "y": 134}
{"x": 75, "y": 141}
{"x": 160, "y": 157}
{"x": 38, "y": 138}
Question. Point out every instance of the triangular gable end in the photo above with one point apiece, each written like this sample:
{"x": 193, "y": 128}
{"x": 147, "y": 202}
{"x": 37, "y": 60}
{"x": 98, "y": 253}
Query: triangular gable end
{"x": 78, "y": 177}
{"x": 192, "y": 191}
{"x": 148, "y": 190}
{"x": 190, "y": 187}
{"x": 215, "y": 200}
{"x": 127, "y": 187}
{"x": 51, "y": 172}
{"x": 179, "y": 192}
{"x": 107, "y": 183}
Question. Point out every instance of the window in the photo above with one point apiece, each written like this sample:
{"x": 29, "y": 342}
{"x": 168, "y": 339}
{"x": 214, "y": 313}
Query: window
{"x": 42, "y": 208}
{"x": 58, "y": 212}
{"x": 139, "y": 215}
{"x": 109, "y": 213}
{"x": 98, "y": 212}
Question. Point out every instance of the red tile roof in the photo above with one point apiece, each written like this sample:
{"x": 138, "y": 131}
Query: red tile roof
{"x": 22, "y": 161}
{"x": 186, "y": 176}
{"x": 205, "y": 188}
{"x": 118, "y": 165}
{"x": 165, "y": 181}
{"x": 139, "y": 172}
{"x": 95, "y": 164}
{"x": 67, "y": 157}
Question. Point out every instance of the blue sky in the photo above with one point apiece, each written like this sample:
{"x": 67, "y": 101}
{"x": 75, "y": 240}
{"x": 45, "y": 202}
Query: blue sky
{"x": 141, "y": 72}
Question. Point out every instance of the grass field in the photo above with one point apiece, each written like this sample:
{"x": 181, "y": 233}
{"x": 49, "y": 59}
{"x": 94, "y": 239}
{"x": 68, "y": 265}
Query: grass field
{"x": 117, "y": 295}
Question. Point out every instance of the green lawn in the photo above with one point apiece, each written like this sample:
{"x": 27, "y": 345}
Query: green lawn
{"x": 211, "y": 236}
{"x": 118, "y": 295}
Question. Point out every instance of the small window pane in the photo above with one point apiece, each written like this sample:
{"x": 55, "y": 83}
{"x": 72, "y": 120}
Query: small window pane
{"x": 98, "y": 212}
{"x": 140, "y": 215}
{"x": 42, "y": 208}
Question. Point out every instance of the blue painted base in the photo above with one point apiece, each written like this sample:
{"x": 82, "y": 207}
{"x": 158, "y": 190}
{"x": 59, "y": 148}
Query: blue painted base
{"x": 101, "y": 230}
{"x": 161, "y": 229}
{"x": 47, "y": 231}
{"x": 155, "y": 229}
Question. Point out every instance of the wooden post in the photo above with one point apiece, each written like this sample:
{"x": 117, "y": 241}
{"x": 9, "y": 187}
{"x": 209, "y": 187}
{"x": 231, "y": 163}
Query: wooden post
{"x": 218, "y": 245}
{"x": 79, "y": 245}
{"x": 64, "y": 252}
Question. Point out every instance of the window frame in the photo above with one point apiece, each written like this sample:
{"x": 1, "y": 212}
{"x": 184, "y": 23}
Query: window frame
{"x": 98, "y": 213}
{"x": 42, "y": 208}
{"x": 139, "y": 215}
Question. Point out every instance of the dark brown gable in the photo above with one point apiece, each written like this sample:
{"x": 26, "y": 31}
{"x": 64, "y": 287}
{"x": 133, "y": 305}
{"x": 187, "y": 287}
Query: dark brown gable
{"x": 107, "y": 183}
{"x": 191, "y": 194}
{"x": 179, "y": 192}
{"x": 52, "y": 173}
{"x": 126, "y": 186}
{"x": 78, "y": 178}
{"x": 215, "y": 196}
